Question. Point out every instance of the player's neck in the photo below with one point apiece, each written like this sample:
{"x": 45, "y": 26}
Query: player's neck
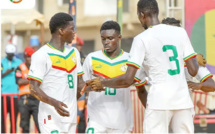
{"x": 113, "y": 54}
{"x": 153, "y": 21}
{"x": 57, "y": 43}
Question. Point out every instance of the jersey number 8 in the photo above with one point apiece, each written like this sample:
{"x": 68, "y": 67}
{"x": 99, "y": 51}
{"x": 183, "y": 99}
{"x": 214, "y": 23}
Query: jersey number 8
{"x": 70, "y": 81}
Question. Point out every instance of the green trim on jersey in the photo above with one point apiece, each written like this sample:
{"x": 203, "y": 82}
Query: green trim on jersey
{"x": 111, "y": 64}
{"x": 55, "y": 48}
{"x": 121, "y": 52}
{"x": 65, "y": 57}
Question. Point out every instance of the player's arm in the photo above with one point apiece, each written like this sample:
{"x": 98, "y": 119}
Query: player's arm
{"x": 119, "y": 82}
{"x": 189, "y": 55}
{"x": 81, "y": 85}
{"x": 40, "y": 95}
{"x": 207, "y": 86}
{"x": 142, "y": 94}
{"x": 192, "y": 66}
{"x": 19, "y": 80}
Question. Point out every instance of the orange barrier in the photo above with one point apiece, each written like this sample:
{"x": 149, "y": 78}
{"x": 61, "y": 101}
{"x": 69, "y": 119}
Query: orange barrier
{"x": 12, "y": 114}
{"x": 12, "y": 111}
{"x": 138, "y": 110}
{"x": 199, "y": 96}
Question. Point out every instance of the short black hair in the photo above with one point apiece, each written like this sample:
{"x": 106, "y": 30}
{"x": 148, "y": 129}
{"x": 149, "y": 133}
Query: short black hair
{"x": 59, "y": 20}
{"x": 111, "y": 25}
{"x": 149, "y": 7}
{"x": 171, "y": 21}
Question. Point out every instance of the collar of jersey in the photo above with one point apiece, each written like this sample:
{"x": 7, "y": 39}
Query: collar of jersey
{"x": 55, "y": 48}
{"x": 121, "y": 52}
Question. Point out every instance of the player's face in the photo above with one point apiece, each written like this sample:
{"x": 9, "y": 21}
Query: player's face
{"x": 69, "y": 32}
{"x": 110, "y": 40}
{"x": 142, "y": 19}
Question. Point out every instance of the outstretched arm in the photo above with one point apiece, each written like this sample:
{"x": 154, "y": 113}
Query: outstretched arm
{"x": 206, "y": 86}
{"x": 119, "y": 82}
{"x": 81, "y": 85}
{"x": 40, "y": 95}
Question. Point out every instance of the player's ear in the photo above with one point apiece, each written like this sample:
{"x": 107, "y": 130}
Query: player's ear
{"x": 142, "y": 14}
{"x": 61, "y": 31}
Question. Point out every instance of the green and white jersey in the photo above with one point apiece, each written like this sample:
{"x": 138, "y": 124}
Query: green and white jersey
{"x": 163, "y": 50}
{"x": 111, "y": 108}
{"x": 202, "y": 75}
{"x": 57, "y": 71}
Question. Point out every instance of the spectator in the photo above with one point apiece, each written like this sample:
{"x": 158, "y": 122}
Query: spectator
{"x": 28, "y": 105}
{"x": 79, "y": 46}
{"x": 9, "y": 86}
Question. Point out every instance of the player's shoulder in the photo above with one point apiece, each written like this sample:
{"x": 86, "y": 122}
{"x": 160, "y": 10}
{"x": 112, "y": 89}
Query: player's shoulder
{"x": 97, "y": 53}
{"x": 71, "y": 48}
{"x": 41, "y": 51}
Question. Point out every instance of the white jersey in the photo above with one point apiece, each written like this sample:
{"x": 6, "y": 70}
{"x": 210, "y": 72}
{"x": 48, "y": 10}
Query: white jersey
{"x": 163, "y": 49}
{"x": 111, "y": 108}
{"x": 202, "y": 75}
{"x": 57, "y": 71}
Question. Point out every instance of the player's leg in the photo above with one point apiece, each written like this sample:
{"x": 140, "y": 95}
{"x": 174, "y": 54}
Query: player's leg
{"x": 156, "y": 121}
{"x": 182, "y": 121}
{"x": 93, "y": 127}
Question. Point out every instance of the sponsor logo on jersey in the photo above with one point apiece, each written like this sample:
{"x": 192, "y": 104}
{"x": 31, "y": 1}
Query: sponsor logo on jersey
{"x": 99, "y": 66}
{"x": 58, "y": 61}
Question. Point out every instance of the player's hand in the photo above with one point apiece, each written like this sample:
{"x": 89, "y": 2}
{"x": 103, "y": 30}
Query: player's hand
{"x": 59, "y": 108}
{"x": 194, "y": 86}
{"x": 201, "y": 60}
{"x": 96, "y": 84}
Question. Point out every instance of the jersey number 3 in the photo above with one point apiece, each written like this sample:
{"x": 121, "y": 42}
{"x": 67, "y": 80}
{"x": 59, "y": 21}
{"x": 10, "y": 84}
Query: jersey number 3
{"x": 172, "y": 58}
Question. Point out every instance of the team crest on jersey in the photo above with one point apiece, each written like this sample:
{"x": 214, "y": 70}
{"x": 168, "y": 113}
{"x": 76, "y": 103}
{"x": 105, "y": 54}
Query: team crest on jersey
{"x": 74, "y": 59}
{"x": 123, "y": 68}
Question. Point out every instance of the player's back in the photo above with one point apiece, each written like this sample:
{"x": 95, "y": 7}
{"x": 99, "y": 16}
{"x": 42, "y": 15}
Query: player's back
{"x": 164, "y": 57}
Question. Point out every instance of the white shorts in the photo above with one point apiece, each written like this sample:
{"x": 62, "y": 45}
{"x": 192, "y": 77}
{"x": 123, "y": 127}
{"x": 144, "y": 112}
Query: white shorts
{"x": 93, "y": 127}
{"x": 161, "y": 121}
{"x": 57, "y": 128}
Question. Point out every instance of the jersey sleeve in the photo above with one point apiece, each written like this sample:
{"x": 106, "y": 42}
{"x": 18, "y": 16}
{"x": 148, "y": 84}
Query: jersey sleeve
{"x": 137, "y": 53}
{"x": 79, "y": 66}
{"x": 87, "y": 68}
{"x": 187, "y": 48}
{"x": 140, "y": 77}
{"x": 38, "y": 67}
{"x": 203, "y": 74}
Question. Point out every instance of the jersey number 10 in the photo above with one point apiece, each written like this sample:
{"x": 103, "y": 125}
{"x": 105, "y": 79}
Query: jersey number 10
{"x": 110, "y": 91}
{"x": 173, "y": 58}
